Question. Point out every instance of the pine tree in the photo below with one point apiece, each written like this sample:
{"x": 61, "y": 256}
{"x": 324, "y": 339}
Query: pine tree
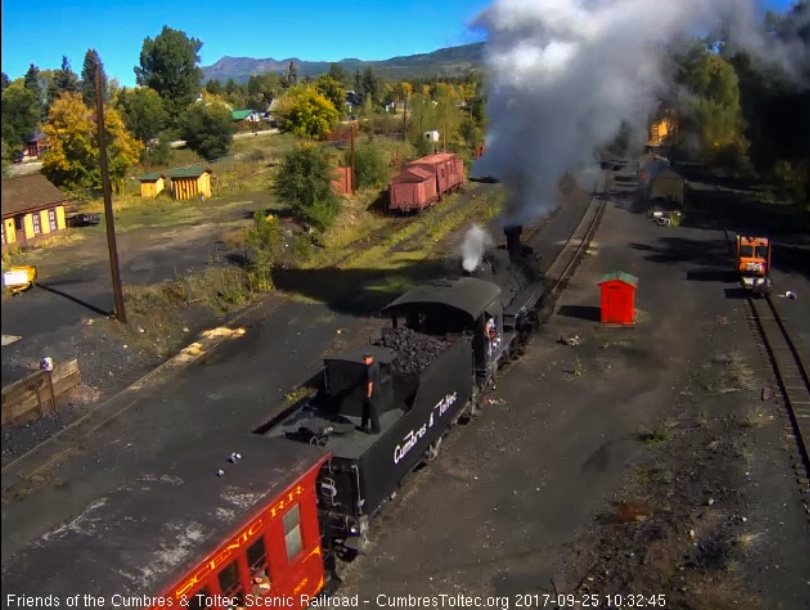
{"x": 91, "y": 60}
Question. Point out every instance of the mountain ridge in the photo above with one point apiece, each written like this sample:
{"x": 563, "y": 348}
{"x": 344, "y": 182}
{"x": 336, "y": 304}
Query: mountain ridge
{"x": 448, "y": 61}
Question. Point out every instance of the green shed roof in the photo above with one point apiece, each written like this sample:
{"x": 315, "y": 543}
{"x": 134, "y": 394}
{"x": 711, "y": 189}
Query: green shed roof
{"x": 622, "y": 276}
{"x": 152, "y": 177}
{"x": 188, "y": 172}
{"x": 240, "y": 115}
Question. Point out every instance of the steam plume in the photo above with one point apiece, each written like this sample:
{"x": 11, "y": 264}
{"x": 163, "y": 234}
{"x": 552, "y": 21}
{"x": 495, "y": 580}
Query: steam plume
{"x": 565, "y": 75}
{"x": 476, "y": 243}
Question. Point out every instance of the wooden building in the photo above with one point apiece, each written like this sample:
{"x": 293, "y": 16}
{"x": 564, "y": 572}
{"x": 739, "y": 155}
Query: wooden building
{"x": 342, "y": 182}
{"x": 36, "y": 146}
{"x": 190, "y": 182}
{"x": 152, "y": 184}
{"x": 32, "y": 208}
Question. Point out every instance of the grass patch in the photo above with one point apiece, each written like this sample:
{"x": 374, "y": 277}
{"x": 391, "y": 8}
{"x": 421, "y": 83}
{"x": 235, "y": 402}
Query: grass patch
{"x": 156, "y": 313}
{"x": 651, "y": 476}
{"x": 753, "y": 418}
{"x": 654, "y": 436}
{"x": 275, "y": 143}
{"x": 729, "y": 373}
{"x": 14, "y": 255}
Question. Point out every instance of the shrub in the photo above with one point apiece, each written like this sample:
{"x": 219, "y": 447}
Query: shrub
{"x": 304, "y": 182}
{"x": 369, "y": 167}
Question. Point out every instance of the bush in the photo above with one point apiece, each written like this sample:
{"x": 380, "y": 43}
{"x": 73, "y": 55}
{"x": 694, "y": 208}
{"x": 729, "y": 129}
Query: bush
{"x": 208, "y": 130}
{"x": 160, "y": 153}
{"x": 304, "y": 182}
{"x": 369, "y": 167}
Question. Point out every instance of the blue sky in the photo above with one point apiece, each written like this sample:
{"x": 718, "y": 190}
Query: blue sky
{"x": 316, "y": 30}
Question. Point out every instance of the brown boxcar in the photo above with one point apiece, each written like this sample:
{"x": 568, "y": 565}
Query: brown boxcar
{"x": 413, "y": 189}
{"x": 447, "y": 168}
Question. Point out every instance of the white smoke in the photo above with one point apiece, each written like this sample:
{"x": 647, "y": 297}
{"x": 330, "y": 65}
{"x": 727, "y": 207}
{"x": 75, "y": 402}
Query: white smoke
{"x": 476, "y": 242}
{"x": 565, "y": 74}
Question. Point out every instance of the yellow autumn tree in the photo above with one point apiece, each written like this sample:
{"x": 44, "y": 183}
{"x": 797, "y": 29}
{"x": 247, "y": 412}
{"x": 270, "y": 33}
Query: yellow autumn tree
{"x": 407, "y": 89}
{"x": 72, "y": 162}
{"x": 306, "y": 113}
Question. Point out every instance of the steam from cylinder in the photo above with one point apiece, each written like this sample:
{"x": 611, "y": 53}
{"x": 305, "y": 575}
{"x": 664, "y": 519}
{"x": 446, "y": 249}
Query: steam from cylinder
{"x": 476, "y": 243}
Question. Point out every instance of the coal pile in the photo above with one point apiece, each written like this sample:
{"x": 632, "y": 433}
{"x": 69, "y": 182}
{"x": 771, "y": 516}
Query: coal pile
{"x": 415, "y": 351}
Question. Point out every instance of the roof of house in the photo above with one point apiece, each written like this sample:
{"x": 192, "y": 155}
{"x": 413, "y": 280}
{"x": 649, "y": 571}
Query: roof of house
{"x": 621, "y": 276}
{"x": 188, "y": 172}
{"x": 28, "y": 194}
{"x": 151, "y": 177}
{"x": 240, "y": 115}
{"x": 37, "y": 136}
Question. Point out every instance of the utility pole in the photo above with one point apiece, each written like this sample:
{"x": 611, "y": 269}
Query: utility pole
{"x": 120, "y": 311}
{"x": 444, "y": 136}
{"x": 354, "y": 190}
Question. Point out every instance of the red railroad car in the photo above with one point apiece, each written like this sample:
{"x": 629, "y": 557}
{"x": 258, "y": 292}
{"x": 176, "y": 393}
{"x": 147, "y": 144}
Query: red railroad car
{"x": 187, "y": 536}
{"x": 448, "y": 169}
{"x": 413, "y": 189}
{"x": 425, "y": 181}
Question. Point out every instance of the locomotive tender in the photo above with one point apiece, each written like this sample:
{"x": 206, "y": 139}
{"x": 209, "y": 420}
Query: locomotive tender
{"x": 202, "y": 530}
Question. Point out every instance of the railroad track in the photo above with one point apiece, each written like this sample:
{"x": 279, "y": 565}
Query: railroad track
{"x": 791, "y": 375}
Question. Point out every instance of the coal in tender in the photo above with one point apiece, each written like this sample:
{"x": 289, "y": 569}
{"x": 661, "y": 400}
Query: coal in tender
{"x": 415, "y": 351}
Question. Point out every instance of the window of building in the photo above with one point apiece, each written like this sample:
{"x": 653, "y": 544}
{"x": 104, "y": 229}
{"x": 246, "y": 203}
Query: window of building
{"x": 52, "y": 219}
{"x": 199, "y": 600}
{"x": 231, "y": 584}
{"x": 36, "y": 224}
{"x": 292, "y": 533}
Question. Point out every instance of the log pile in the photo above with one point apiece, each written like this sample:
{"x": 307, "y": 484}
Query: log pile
{"x": 415, "y": 351}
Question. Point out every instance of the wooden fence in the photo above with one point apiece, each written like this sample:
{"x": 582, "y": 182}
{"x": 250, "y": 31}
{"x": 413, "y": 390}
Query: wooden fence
{"x": 38, "y": 394}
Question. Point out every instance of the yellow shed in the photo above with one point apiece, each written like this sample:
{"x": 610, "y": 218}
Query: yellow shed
{"x": 152, "y": 184}
{"x": 32, "y": 208}
{"x": 191, "y": 182}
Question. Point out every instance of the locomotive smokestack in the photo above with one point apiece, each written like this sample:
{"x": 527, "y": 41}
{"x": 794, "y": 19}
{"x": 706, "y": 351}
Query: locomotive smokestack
{"x": 513, "y": 245}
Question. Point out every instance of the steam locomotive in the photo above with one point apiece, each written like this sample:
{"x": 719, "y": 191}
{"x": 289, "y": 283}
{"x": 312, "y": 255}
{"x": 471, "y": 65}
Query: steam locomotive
{"x": 202, "y": 529}
{"x": 443, "y": 347}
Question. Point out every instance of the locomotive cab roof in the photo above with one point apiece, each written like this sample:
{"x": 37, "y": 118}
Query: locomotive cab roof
{"x": 468, "y": 295}
{"x": 145, "y": 535}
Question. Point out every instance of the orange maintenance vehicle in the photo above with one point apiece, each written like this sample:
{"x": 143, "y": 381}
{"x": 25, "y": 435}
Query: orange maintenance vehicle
{"x": 753, "y": 263}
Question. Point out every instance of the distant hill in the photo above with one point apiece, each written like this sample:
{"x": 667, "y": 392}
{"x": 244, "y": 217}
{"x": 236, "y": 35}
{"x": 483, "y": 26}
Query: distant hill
{"x": 452, "y": 61}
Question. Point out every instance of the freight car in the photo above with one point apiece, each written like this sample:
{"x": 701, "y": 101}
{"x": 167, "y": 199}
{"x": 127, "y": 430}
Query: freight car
{"x": 425, "y": 181}
{"x": 272, "y": 519}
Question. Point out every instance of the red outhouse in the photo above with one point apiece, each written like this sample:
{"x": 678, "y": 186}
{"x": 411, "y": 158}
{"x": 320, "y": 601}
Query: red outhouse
{"x": 618, "y": 298}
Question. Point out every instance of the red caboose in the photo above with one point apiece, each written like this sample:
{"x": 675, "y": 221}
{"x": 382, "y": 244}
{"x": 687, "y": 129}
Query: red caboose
{"x": 186, "y": 533}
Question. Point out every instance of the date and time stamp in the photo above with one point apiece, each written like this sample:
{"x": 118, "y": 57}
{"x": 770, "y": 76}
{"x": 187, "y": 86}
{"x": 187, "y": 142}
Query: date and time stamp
{"x": 610, "y": 601}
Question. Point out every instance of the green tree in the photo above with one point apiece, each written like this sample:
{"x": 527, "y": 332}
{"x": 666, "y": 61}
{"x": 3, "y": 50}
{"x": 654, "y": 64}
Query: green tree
{"x": 91, "y": 61}
{"x": 332, "y": 90}
{"x": 304, "y": 183}
{"x": 208, "y": 130}
{"x": 5, "y": 157}
{"x": 306, "y": 113}
{"x": 65, "y": 80}
{"x": 159, "y": 152}
{"x": 369, "y": 167}
{"x": 339, "y": 74}
{"x": 214, "y": 87}
{"x": 265, "y": 86}
{"x": 72, "y": 161}
{"x": 291, "y": 77}
{"x": 230, "y": 86}
{"x": 33, "y": 83}
{"x": 143, "y": 112}
{"x": 20, "y": 116}
{"x": 169, "y": 66}
{"x": 4, "y": 81}
{"x": 711, "y": 107}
